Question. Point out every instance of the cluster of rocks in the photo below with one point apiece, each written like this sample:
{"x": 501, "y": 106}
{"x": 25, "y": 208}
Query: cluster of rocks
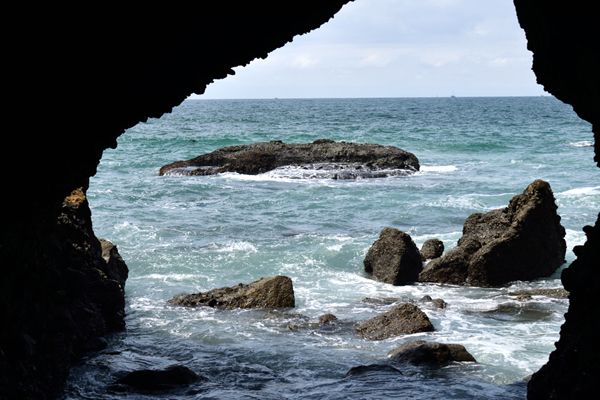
{"x": 522, "y": 241}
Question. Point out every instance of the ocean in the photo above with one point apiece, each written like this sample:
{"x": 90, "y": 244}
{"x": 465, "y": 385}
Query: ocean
{"x": 183, "y": 234}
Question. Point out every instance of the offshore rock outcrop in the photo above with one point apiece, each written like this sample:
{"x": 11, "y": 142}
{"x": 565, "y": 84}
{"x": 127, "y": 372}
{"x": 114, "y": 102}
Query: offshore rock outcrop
{"x": 523, "y": 241}
{"x": 75, "y": 299}
{"x": 346, "y": 160}
{"x": 393, "y": 258}
{"x": 269, "y": 292}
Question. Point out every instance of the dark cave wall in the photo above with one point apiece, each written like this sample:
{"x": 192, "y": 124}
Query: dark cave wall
{"x": 75, "y": 79}
{"x": 563, "y": 37}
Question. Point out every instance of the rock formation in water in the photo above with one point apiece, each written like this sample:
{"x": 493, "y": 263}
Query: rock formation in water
{"x": 523, "y": 241}
{"x": 402, "y": 319}
{"x": 432, "y": 354}
{"x": 347, "y": 160}
{"x": 270, "y": 292}
{"x": 432, "y": 248}
{"x": 393, "y": 258}
{"x": 74, "y": 86}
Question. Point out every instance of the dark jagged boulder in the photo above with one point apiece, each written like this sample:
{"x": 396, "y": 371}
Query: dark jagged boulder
{"x": 152, "y": 380}
{"x": 393, "y": 258}
{"x": 434, "y": 354}
{"x": 348, "y": 160}
{"x": 523, "y": 241}
{"x": 269, "y": 292}
{"x": 116, "y": 268}
{"x": 402, "y": 319}
{"x": 432, "y": 248}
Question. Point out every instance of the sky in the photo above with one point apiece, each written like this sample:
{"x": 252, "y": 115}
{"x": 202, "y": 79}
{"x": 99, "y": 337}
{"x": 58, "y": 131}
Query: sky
{"x": 396, "y": 48}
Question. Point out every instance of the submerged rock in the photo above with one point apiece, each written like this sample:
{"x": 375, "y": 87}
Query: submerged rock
{"x": 327, "y": 319}
{"x": 393, "y": 258}
{"x": 432, "y": 248}
{"x": 435, "y": 354}
{"x": 150, "y": 380}
{"x": 350, "y": 160}
{"x": 362, "y": 370}
{"x": 269, "y": 292}
{"x": 402, "y": 319}
{"x": 523, "y": 241}
{"x": 439, "y": 303}
{"x": 556, "y": 293}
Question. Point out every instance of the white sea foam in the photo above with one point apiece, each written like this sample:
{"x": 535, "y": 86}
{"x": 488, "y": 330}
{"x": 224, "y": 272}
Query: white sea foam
{"x": 234, "y": 246}
{"x": 438, "y": 168}
{"x": 582, "y": 191}
{"x": 582, "y": 143}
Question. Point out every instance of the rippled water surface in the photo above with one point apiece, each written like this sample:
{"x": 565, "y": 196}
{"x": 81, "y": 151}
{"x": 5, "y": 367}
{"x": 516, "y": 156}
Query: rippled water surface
{"x": 187, "y": 234}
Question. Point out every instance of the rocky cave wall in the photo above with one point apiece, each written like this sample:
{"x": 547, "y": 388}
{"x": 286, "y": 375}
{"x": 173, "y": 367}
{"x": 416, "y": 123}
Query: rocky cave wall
{"x": 563, "y": 37}
{"x": 75, "y": 79}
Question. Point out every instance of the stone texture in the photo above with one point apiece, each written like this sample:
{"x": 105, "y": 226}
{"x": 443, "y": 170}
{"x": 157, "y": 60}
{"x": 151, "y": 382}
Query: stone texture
{"x": 261, "y": 157}
{"x": 435, "y": 354}
{"x": 523, "y": 241}
{"x": 270, "y": 292}
{"x": 432, "y": 248}
{"x": 402, "y": 319}
{"x": 393, "y": 258}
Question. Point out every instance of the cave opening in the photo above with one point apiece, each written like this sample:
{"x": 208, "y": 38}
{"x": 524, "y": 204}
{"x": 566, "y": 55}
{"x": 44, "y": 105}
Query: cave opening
{"x": 190, "y": 234}
{"x": 62, "y": 289}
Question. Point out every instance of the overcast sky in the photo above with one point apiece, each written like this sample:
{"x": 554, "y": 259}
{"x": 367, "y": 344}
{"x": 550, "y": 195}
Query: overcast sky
{"x": 397, "y": 48}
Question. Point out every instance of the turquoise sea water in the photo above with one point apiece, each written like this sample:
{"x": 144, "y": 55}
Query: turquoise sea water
{"x": 189, "y": 234}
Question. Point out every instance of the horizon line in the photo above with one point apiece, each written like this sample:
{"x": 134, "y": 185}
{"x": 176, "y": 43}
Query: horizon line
{"x": 363, "y": 98}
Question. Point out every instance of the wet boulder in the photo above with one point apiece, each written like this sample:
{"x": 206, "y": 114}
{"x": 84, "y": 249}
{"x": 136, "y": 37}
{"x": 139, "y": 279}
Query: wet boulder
{"x": 434, "y": 354}
{"x": 402, "y": 319}
{"x": 432, "y": 248}
{"x": 152, "y": 380}
{"x": 523, "y": 241}
{"x": 393, "y": 258}
{"x": 270, "y": 292}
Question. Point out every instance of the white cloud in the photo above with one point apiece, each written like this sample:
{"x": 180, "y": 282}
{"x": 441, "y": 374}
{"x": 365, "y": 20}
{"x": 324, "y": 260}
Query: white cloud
{"x": 397, "y": 48}
{"x": 304, "y": 61}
